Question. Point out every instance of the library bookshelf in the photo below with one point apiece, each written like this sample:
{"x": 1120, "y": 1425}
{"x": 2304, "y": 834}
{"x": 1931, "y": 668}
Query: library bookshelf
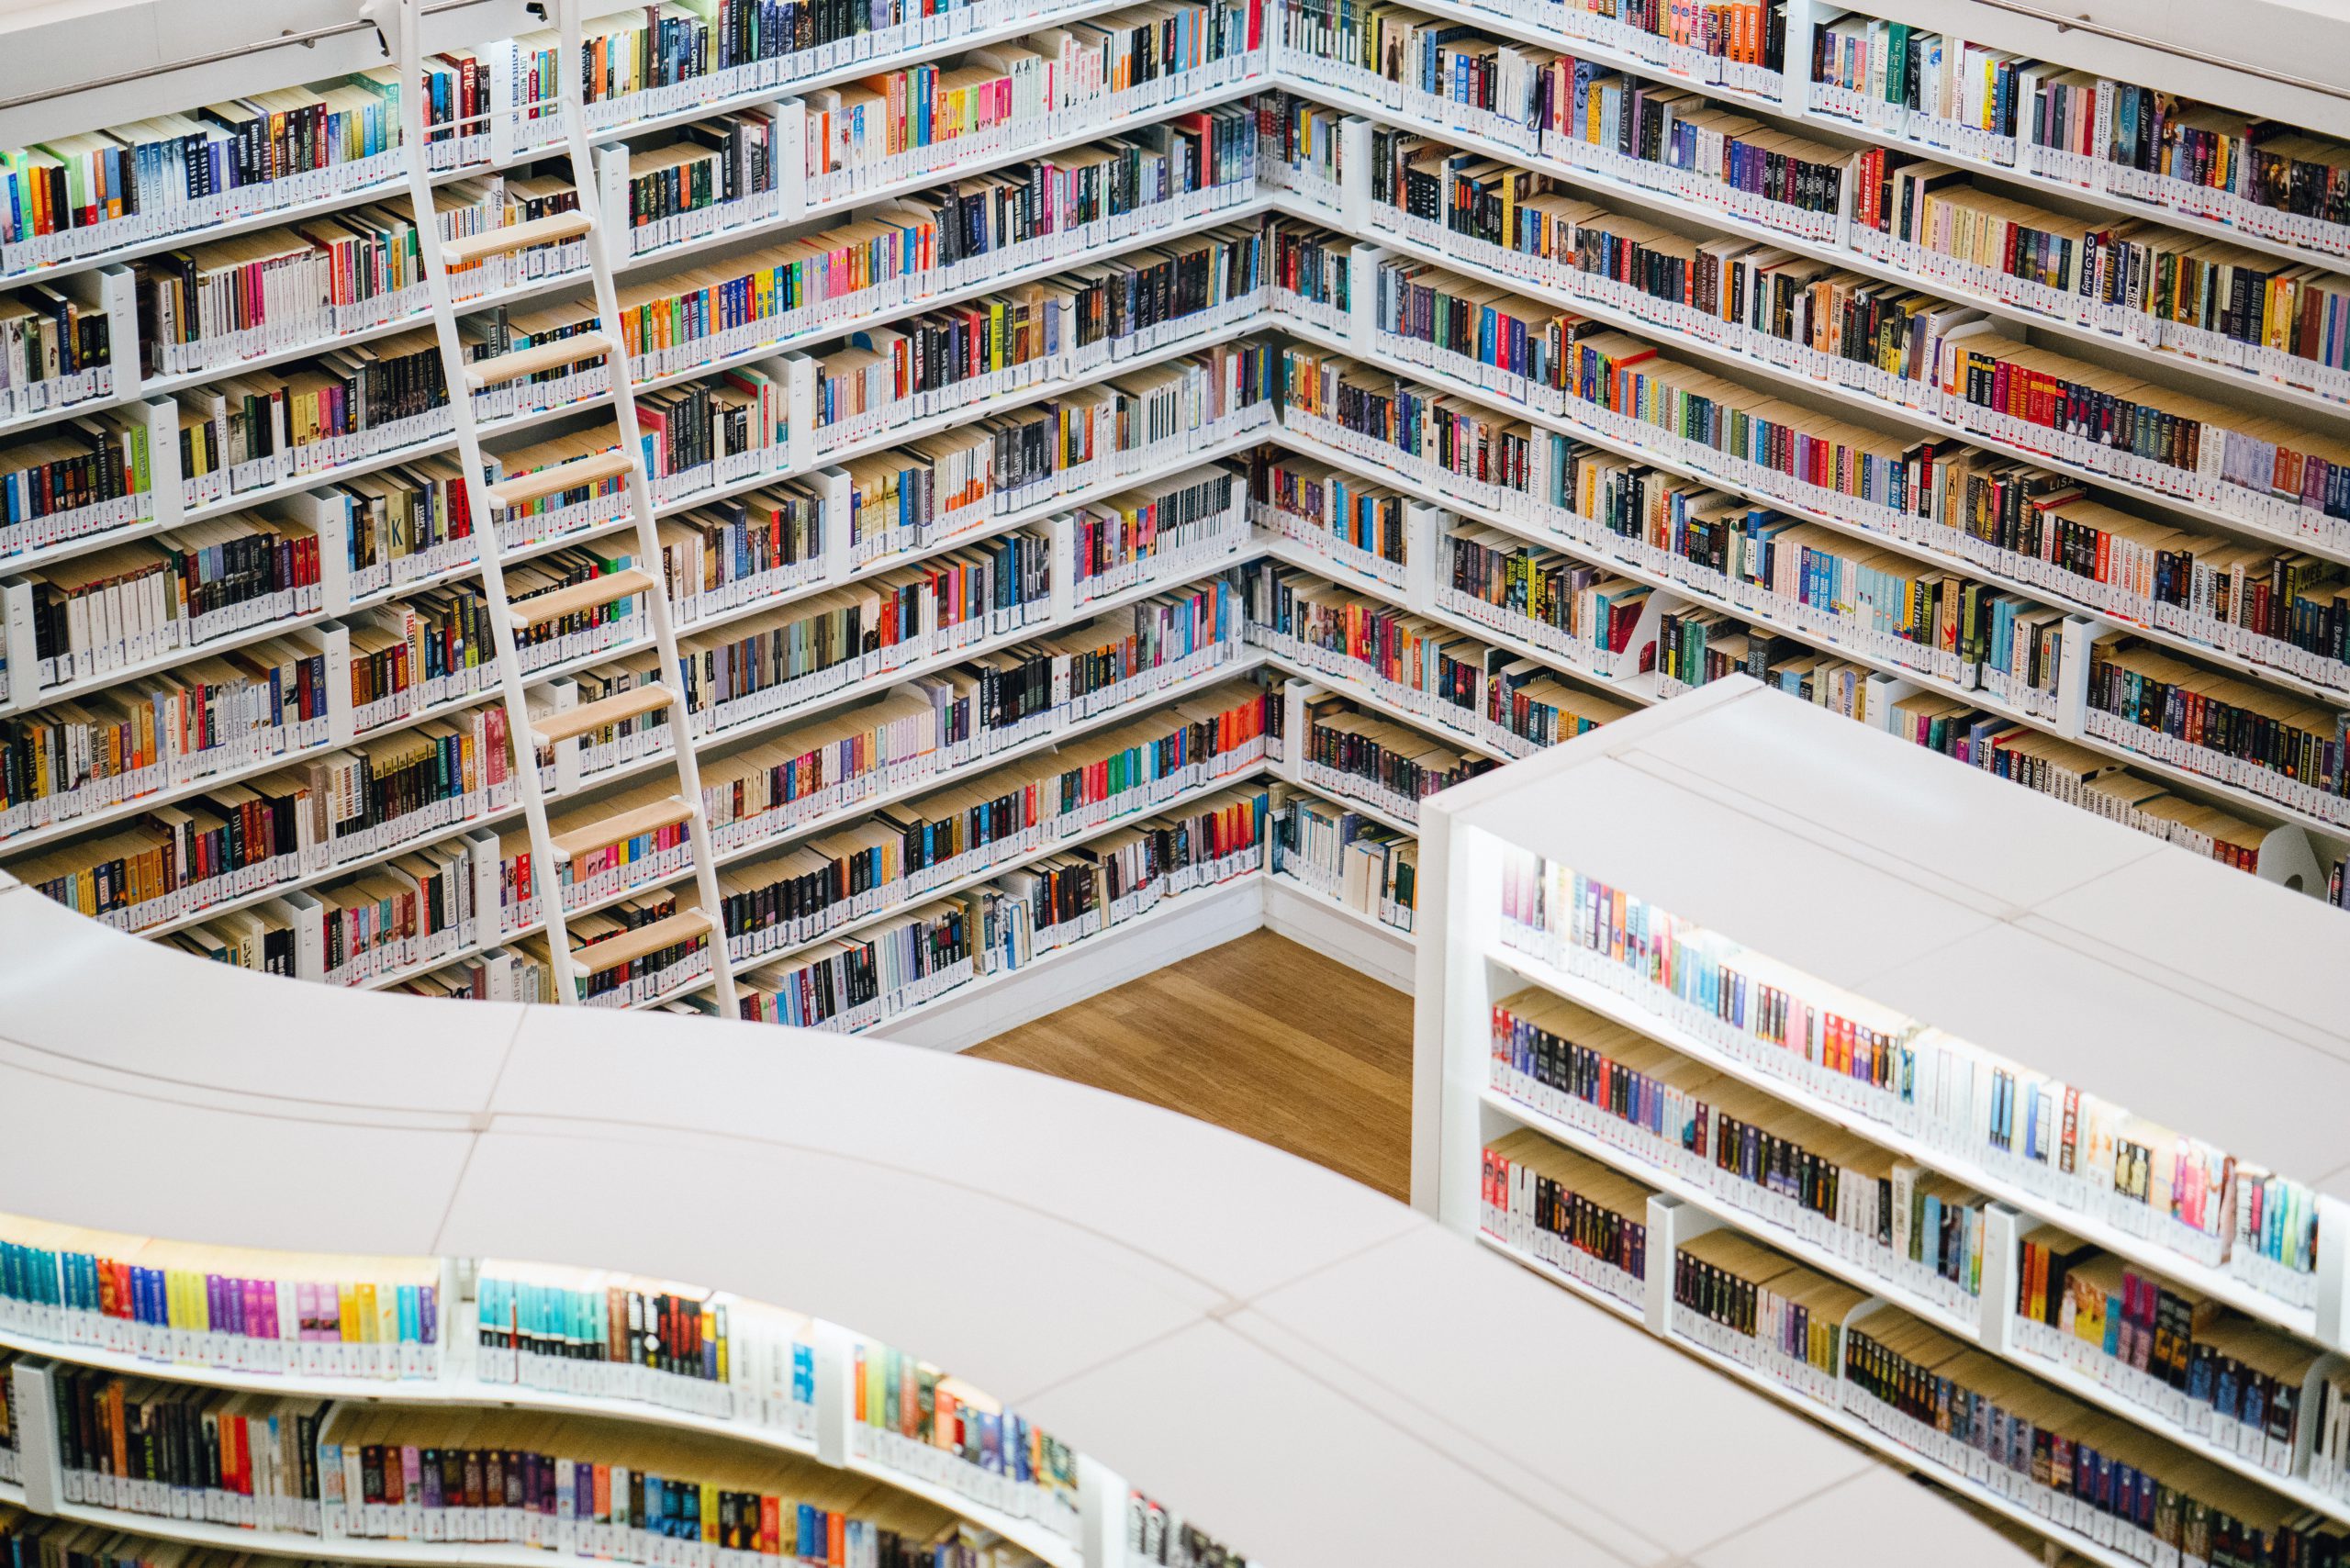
{"x": 1816, "y": 986}
{"x": 1313, "y": 156}
{"x": 1121, "y": 1309}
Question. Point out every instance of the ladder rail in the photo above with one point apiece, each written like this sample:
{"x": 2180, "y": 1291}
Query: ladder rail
{"x": 512, "y": 690}
{"x": 571, "y": 91}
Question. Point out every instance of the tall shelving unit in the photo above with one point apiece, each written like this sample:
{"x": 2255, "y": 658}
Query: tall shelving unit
{"x": 1866, "y": 661}
{"x": 1727, "y": 899}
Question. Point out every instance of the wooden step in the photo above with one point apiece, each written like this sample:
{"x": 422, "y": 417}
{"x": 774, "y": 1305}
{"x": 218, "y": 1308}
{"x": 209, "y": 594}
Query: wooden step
{"x": 589, "y": 717}
{"x": 550, "y": 355}
{"x": 514, "y": 237}
{"x": 558, "y": 478}
{"x": 563, "y": 601}
{"x": 623, "y": 825}
{"x": 631, "y": 946}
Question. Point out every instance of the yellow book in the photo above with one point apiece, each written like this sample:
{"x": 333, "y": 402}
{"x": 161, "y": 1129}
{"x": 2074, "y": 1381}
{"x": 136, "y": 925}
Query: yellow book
{"x": 347, "y": 1304}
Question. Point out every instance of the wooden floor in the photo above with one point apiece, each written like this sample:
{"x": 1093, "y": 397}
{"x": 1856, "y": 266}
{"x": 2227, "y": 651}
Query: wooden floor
{"x": 1262, "y": 1035}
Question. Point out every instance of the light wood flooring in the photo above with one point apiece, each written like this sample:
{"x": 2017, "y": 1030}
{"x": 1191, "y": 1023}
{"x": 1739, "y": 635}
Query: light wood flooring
{"x": 1262, "y": 1035}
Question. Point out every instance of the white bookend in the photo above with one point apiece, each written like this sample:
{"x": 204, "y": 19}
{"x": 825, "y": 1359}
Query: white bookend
{"x": 497, "y": 970}
{"x": 1671, "y": 1223}
{"x": 1102, "y": 1503}
{"x": 33, "y": 1400}
{"x": 1362, "y": 297}
{"x": 326, "y": 513}
{"x": 1294, "y": 695}
{"x": 1424, "y": 530}
{"x": 835, "y": 1392}
{"x": 788, "y": 160}
{"x": 113, "y": 291}
{"x": 332, "y": 639}
{"x": 161, "y": 417}
{"x": 1879, "y": 693}
{"x": 498, "y": 59}
{"x": 17, "y": 642}
{"x": 617, "y": 232}
{"x": 560, "y": 696}
{"x": 834, "y": 493}
{"x": 2286, "y": 859}
{"x": 487, "y": 868}
{"x": 306, "y": 915}
{"x": 1354, "y": 174}
{"x": 1062, "y": 529}
{"x": 2073, "y": 674}
{"x": 799, "y": 371}
{"x": 1659, "y": 605}
{"x": 2003, "y": 1231}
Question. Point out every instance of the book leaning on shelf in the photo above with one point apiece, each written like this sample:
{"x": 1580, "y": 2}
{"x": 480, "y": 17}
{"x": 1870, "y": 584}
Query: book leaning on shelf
{"x": 2055, "y": 1138}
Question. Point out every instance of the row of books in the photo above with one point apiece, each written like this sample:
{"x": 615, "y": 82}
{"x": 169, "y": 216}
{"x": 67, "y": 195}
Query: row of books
{"x": 1351, "y": 754}
{"x": 2191, "y": 1363}
{"x": 737, "y": 675}
{"x": 175, "y": 1301}
{"x": 1365, "y": 865}
{"x": 932, "y": 116}
{"x": 2084, "y": 130}
{"x": 1568, "y": 1211}
{"x": 915, "y": 1417}
{"x": 235, "y": 711}
{"x": 884, "y": 970}
{"x": 485, "y": 888}
{"x": 605, "y": 1335}
{"x": 2261, "y": 472}
{"x": 1155, "y": 1534}
{"x": 1972, "y": 1108}
{"x": 1946, "y": 628}
{"x": 1500, "y": 700}
{"x": 85, "y": 196}
{"x": 1738, "y": 44}
{"x": 387, "y": 396}
{"x": 2319, "y": 793}
{"x": 34, "y": 1540}
{"x": 1008, "y": 813}
{"x": 1791, "y": 1175}
{"x": 218, "y": 304}
{"x": 1332, "y": 511}
{"x": 1533, "y": 99}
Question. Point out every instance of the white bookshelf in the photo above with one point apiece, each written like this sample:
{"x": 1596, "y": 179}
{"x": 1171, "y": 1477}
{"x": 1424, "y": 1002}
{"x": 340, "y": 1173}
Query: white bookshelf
{"x": 1130, "y": 1317}
{"x": 1835, "y": 858}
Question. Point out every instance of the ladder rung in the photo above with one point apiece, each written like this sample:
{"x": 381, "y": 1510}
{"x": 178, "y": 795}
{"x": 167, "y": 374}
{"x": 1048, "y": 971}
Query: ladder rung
{"x": 564, "y": 724}
{"x": 550, "y": 355}
{"x": 563, "y": 601}
{"x": 558, "y": 477}
{"x": 630, "y": 946}
{"x": 622, "y": 827}
{"x": 470, "y": 248}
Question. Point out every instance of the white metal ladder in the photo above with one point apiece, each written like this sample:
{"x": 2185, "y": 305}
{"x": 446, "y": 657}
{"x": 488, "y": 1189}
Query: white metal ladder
{"x": 485, "y": 500}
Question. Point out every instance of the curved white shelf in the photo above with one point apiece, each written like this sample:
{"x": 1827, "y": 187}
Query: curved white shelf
{"x": 1139, "y": 1323}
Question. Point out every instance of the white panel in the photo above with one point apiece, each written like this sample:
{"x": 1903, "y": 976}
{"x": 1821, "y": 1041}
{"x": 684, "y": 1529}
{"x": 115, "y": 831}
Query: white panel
{"x": 1852, "y": 1525}
{"x": 93, "y": 994}
{"x": 1150, "y": 1174}
{"x": 1855, "y": 783}
{"x": 81, "y": 1155}
{"x": 1630, "y": 1394}
{"x": 1221, "y": 1406}
{"x": 1804, "y": 904}
{"x": 1033, "y": 1298}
